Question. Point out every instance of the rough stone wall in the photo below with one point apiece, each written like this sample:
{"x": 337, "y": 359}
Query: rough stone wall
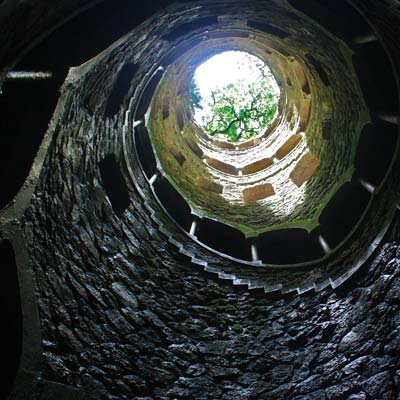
{"x": 124, "y": 315}
{"x": 134, "y": 320}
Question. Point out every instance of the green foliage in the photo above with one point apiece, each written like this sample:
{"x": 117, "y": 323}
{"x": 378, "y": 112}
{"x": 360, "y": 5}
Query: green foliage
{"x": 240, "y": 113}
{"x": 240, "y": 110}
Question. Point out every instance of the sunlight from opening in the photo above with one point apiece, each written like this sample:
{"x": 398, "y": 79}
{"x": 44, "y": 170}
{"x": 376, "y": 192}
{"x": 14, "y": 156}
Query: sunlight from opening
{"x": 234, "y": 94}
{"x": 225, "y": 68}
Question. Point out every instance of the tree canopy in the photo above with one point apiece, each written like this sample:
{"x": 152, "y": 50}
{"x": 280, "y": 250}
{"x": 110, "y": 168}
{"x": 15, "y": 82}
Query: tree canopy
{"x": 240, "y": 109}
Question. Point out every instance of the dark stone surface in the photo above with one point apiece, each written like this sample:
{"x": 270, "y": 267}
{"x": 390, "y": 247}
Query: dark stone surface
{"x": 124, "y": 315}
{"x": 151, "y": 326}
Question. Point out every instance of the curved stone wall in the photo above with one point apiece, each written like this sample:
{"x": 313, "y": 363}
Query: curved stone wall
{"x": 120, "y": 302}
{"x": 305, "y": 106}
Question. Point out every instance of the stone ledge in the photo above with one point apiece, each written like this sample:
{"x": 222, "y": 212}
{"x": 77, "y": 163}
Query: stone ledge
{"x": 256, "y": 193}
{"x": 288, "y": 146}
{"x": 304, "y": 169}
{"x": 257, "y": 166}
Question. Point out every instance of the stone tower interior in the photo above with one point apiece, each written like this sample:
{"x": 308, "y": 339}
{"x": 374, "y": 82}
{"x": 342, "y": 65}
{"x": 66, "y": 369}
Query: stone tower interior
{"x": 143, "y": 259}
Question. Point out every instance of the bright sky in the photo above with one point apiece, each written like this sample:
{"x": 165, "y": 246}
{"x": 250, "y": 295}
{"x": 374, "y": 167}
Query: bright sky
{"x": 225, "y": 68}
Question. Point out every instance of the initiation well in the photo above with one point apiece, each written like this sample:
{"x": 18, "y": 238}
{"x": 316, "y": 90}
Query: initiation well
{"x": 156, "y": 262}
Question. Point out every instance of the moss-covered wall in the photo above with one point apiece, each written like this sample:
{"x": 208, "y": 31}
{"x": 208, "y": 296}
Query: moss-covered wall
{"x": 325, "y": 83}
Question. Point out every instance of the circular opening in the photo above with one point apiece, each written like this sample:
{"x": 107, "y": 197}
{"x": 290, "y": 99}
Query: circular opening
{"x": 234, "y": 96}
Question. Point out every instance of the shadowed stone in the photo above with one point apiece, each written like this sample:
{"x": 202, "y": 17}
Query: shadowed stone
{"x": 208, "y": 185}
{"x": 300, "y": 75}
{"x": 272, "y": 45}
{"x": 305, "y": 113}
{"x": 327, "y": 129}
{"x": 179, "y": 117}
{"x": 194, "y": 147}
{"x": 165, "y": 107}
{"x": 179, "y": 157}
{"x": 126, "y": 297}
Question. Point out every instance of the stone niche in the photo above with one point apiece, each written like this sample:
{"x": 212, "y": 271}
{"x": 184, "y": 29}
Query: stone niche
{"x": 288, "y": 146}
{"x": 259, "y": 192}
{"x": 304, "y": 169}
{"x": 305, "y": 112}
{"x": 208, "y": 185}
{"x": 221, "y": 166}
{"x": 257, "y": 166}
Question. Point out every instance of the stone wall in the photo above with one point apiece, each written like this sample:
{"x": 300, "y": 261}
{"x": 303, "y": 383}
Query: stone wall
{"x": 126, "y": 314}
